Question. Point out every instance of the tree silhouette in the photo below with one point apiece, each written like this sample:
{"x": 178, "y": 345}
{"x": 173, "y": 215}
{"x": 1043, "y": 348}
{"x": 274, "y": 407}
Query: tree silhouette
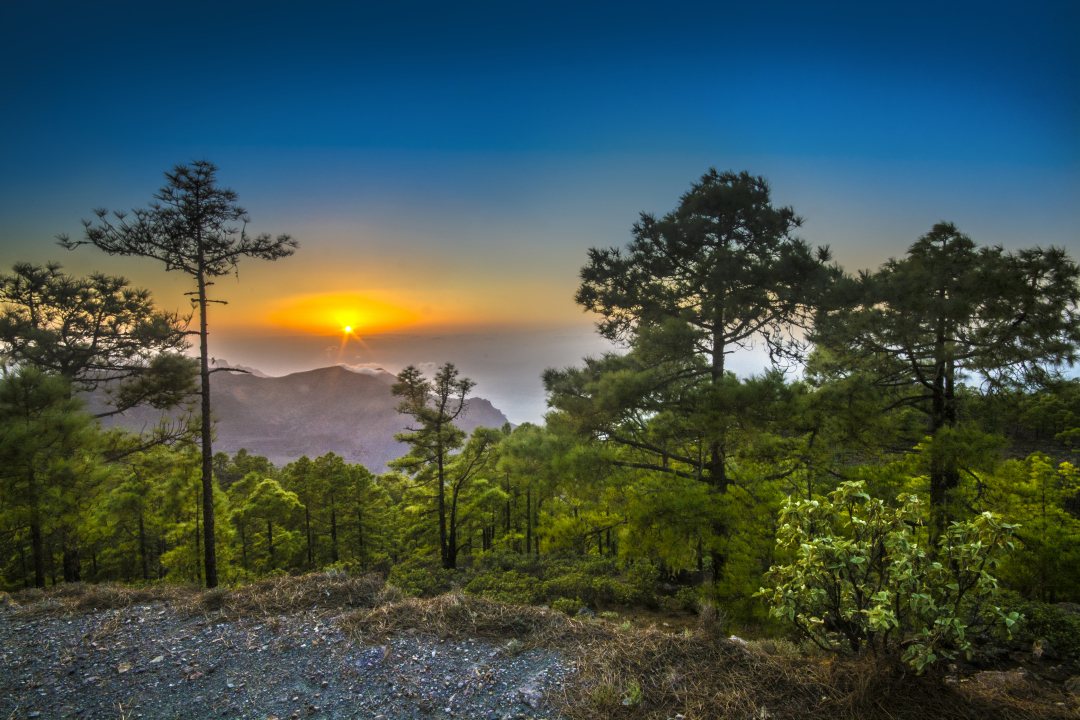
{"x": 189, "y": 228}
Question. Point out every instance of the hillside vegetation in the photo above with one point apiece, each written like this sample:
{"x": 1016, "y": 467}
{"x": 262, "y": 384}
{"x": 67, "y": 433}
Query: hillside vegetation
{"x": 904, "y": 504}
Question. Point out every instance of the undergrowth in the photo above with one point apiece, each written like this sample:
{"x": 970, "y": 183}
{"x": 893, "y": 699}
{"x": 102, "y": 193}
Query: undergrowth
{"x": 531, "y": 580}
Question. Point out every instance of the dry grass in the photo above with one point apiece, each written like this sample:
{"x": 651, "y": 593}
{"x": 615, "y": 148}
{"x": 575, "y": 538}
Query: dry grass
{"x": 456, "y": 615}
{"x": 701, "y": 675}
{"x": 267, "y": 597}
{"x": 621, "y": 673}
{"x": 79, "y": 598}
{"x": 282, "y": 595}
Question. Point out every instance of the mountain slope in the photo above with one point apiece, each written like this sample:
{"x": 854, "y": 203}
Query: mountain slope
{"x": 310, "y": 413}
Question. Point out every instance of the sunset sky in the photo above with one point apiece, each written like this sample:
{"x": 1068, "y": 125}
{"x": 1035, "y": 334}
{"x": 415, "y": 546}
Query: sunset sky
{"x": 445, "y": 166}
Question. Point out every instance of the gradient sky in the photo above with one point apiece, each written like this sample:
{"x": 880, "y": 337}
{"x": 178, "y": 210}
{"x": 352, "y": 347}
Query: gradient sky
{"x": 455, "y": 161}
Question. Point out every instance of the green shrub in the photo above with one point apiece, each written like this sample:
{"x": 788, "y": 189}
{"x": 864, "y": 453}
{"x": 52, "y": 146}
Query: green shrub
{"x": 669, "y": 605}
{"x": 590, "y": 590}
{"x": 502, "y": 560}
{"x": 598, "y": 566}
{"x": 570, "y": 607}
{"x": 643, "y": 577}
{"x": 1042, "y": 621}
{"x": 510, "y": 586}
{"x": 860, "y": 574}
{"x": 528, "y": 579}
{"x": 688, "y": 599}
{"x": 421, "y": 577}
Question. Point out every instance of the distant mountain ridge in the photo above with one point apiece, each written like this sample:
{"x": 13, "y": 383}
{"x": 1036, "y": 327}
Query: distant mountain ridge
{"x": 310, "y": 413}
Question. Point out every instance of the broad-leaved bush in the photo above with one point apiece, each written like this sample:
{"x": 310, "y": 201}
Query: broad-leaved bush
{"x": 863, "y": 575}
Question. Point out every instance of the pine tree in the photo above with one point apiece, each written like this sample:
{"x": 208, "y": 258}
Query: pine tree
{"x": 189, "y": 228}
{"x": 947, "y": 312}
{"x": 434, "y": 405}
{"x": 720, "y": 272}
{"x": 45, "y": 443}
{"x": 97, "y": 332}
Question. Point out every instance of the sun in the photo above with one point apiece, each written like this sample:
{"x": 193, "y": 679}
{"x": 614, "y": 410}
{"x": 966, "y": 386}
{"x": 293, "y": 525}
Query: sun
{"x": 334, "y": 314}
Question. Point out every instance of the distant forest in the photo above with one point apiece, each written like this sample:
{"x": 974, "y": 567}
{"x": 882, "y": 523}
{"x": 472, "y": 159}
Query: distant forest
{"x": 904, "y": 458}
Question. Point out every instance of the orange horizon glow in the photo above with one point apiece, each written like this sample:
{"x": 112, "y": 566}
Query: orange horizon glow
{"x": 352, "y": 315}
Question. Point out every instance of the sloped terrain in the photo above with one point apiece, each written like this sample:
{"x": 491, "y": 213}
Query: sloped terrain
{"x": 310, "y": 413}
{"x": 329, "y": 646}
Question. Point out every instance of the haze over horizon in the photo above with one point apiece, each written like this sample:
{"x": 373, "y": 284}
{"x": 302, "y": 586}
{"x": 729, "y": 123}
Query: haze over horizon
{"x": 445, "y": 168}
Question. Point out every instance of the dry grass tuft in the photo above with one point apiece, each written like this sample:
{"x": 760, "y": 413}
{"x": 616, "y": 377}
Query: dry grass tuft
{"x": 82, "y": 598}
{"x": 281, "y": 595}
{"x": 456, "y": 615}
{"x": 266, "y": 597}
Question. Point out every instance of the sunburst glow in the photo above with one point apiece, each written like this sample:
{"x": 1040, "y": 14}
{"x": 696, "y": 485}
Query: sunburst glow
{"x": 334, "y": 314}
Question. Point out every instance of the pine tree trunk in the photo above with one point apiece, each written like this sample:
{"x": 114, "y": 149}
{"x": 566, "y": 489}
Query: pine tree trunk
{"x": 452, "y": 550}
{"x": 72, "y": 565}
{"x": 198, "y": 565}
{"x": 207, "y": 450}
{"x": 443, "y": 544}
{"x": 944, "y": 475}
{"x": 37, "y": 540}
{"x": 716, "y": 463}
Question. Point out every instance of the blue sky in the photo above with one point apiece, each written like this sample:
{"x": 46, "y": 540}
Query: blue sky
{"x": 460, "y": 159}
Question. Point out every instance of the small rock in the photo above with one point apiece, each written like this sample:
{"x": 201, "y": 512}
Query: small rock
{"x": 738, "y": 641}
{"x": 992, "y": 679}
{"x": 1072, "y": 685}
{"x": 1042, "y": 650}
{"x": 158, "y": 659}
{"x": 123, "y": 668}
{"x": 530, "y": 695}
{"x": 586, "y": 612}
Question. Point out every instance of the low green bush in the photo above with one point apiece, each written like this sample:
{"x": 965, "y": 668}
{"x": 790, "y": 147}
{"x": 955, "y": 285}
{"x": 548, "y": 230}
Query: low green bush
{"x": 1043, "y": 621}
{"x": 642, "y": 578}
{"x": 688, "y": 598}
{"x": 529, "y": 579}
{"x": 589, "y": 589}
{"x": 570, "y": 607}
{"x": 509, "y": 586}
{"x": 862, "y": 574}
{"x": 422, "y": 576}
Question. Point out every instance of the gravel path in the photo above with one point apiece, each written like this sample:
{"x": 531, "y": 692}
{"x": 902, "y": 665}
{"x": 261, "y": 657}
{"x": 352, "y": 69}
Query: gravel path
{"x": 148, "y": 661}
